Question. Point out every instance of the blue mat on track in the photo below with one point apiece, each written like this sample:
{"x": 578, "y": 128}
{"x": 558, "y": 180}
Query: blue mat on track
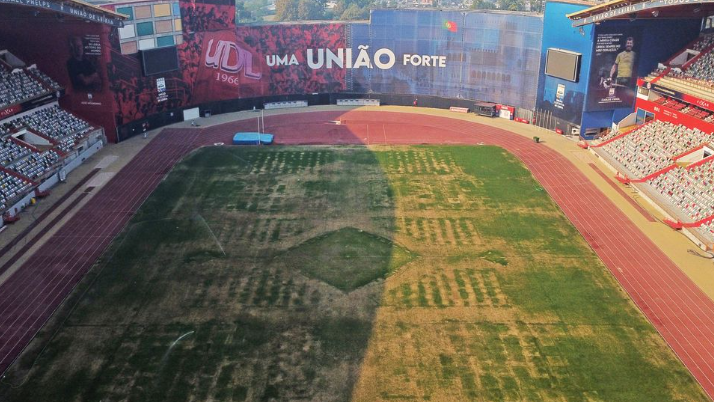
{"x": 252, "y": 139}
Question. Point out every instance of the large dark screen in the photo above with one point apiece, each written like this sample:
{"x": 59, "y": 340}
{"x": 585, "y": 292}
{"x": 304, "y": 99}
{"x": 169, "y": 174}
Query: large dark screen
{"x": 562, "y": 64}
{"x": 161, "y": 60}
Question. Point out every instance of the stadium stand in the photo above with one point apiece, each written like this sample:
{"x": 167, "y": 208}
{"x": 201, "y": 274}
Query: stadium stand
{"x": 69, "y": 142}
{"x": 44, "y": 78}
{"x": 702, "y": 68}
{"x": 58, "y": 126}
{"x": 689, "y": 189}
{"x": 660, "y": 153}
{"x": 610, "y": 134}
{"x": 8, "y": 127}
{"x": 56, "y": 123}
{"x": 691, "y": 70}
{"x": 27, "y": 160}
{"x": 20, "y": 83}
{"x": 652, "y": 147}
{"x": 708, "y": 229}
{"x": 11, "y": 187}
{"x": 36, "y": 165}
{"x": 17, "y": 86}
{"x": 686, "y": 108}
{"x": 11, "y": 151}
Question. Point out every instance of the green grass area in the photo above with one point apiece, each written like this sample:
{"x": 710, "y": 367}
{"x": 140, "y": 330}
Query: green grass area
{"x": 439, "y": 273}
{"x": 348, "y": 258}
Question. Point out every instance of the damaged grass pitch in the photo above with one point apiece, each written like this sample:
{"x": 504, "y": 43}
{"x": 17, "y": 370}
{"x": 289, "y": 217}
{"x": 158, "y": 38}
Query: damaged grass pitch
{"x": 280, "y": 262}
{"x": 348, "y": 258}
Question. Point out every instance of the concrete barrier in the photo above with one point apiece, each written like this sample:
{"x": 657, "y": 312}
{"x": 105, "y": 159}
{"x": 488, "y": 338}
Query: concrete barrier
{"x": 358, "y": 102}
{"x": 284, "y": 105}
{"x": 459, "y": 109}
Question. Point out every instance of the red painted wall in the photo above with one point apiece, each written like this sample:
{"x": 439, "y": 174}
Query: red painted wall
{"x": 219, "y": 61}
{"x": 45, "y": 41}
{"x": 673, "y": 116}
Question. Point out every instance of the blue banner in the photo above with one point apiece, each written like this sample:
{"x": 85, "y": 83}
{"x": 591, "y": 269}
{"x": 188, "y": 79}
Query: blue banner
{"x": 469, "y": 55}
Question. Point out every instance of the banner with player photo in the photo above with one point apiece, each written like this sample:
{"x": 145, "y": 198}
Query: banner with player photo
{"x": 613, "y": 72}
{"x": 82, "y": 64}
{"x": 72, "y": 53}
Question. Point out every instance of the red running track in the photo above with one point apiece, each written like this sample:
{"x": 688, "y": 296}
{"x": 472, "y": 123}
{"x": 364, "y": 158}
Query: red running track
{"x": 30, "y": 296}
{"x": 678, "y": 309}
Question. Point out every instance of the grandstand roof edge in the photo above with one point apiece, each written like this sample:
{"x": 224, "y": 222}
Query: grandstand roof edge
{"x": 302, "y": 22}
{"x": 578, "y": 2}
{"x": 102, "y": 3}
{"x": 523, "y": 13}
{"x": 599, "y": 7}
{"x": 99, "y": 9}
{"x": 469, "y": 11}
{"x": 641, "y": 9}
{"x": 75, "y": 8}
{"x": 620, "y": 9}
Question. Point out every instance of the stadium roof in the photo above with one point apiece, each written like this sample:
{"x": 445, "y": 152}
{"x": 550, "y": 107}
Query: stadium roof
{"x": 581, "y": 2}
{"x": 641, "y": 9}
{"x": 74, "y": 8}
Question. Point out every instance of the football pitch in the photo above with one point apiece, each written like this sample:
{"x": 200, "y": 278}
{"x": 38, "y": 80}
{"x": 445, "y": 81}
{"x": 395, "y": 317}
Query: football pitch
{"x": 440, "y": 273}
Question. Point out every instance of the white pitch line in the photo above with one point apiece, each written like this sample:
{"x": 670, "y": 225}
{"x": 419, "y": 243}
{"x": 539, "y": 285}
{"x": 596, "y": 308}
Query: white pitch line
{"x": 213, "y": 235}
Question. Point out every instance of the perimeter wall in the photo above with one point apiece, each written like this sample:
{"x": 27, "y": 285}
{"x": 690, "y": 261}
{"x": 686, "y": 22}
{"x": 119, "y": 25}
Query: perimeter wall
{"x": 440, "y": 57}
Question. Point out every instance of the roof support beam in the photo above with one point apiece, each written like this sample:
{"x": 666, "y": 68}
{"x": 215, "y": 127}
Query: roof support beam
{"x": 619, "y": 9}
{"x": 75, "y": 9}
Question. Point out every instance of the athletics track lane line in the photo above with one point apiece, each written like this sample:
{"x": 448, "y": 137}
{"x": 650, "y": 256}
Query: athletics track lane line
{"x": 92, "y": 209}
{"x": 90, "y": 250}
{"x": 586, "y": 223}
{"x": 95, "y": 248}
{"x": 624, "y": 249}
{"x": 44, "y": 216}
{"x": 682, "y": 327}
{"x": 678, "y": 309}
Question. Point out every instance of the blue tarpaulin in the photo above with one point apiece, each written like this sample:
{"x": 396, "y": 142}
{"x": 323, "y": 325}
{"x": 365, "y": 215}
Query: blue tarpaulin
{"x": 252, "y": 139}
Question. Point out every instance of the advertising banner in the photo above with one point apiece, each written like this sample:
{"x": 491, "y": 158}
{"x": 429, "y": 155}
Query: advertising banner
{"x": 70, "y": 9}
{"x": 562, "y": 99}
{"x": 675, "y": 117}
{"x": 681, "y": 96}
{"x": 72, "y": 53}
{"x": 500, "y": 58}
{"x": 83, "y": 64}
{"x": 477, "y": 56}
{"x": 10, "y": 111}
{"x": 411, "y": 34}
{"x": 161, "y": 96}
{"x": 15, "y": 109}
{"x": 487, "y": 56}
{"x": 613, "y": 72}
